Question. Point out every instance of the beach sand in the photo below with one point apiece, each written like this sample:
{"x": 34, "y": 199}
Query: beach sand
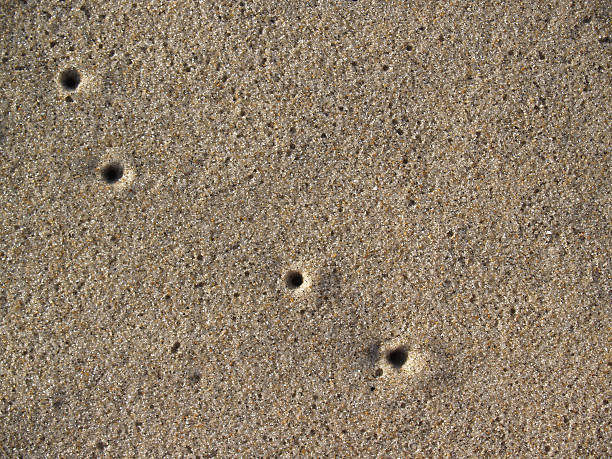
{"x": 272, "y": 228}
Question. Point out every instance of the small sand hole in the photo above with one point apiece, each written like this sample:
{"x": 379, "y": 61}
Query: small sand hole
{"x": 294, "y": 280}
{"x": 70, "y": 79}
{"x": 397, "y": 357}
{"x": 112, "y": 173}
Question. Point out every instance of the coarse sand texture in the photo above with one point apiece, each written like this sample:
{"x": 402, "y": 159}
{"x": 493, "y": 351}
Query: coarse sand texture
{"x": 305, "y": 228}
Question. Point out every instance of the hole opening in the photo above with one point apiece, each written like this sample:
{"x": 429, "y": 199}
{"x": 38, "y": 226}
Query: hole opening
{"x": 397, "y": 357}
{"x": 294, "y": 279}
{"x": 112, "y": 173}
{"x": 70, "y": 79}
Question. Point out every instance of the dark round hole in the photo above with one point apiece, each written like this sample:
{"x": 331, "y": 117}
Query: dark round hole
{"x": 70, "y": 79}
{"x": 397, "y": 357}
{"x": 294, "y": 279}
{"x": 112, "y": 173}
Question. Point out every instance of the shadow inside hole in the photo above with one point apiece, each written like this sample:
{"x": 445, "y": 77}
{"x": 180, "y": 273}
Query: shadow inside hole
{"x": 70, "y": 79}
{"x": 294, "y": 279}
{"x": 397, "y": 357}
{"x": 112, "y": 173}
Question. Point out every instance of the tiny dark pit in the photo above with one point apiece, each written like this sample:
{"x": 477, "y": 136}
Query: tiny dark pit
{"x": 397, "y": 357}
{"x": 112, "y": 173}
{"x": 294, "y": 279}
{"x": 70, "y": 79}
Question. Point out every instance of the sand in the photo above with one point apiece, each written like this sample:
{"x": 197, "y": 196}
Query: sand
{"x": 271, "y": 228}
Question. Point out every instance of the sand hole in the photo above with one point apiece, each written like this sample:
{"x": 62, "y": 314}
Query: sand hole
{"x": 70, "y": 79}
{"x": 112, "y": 173}
{"x": 294, "y": 280}
{"x": 397, "y": 357}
